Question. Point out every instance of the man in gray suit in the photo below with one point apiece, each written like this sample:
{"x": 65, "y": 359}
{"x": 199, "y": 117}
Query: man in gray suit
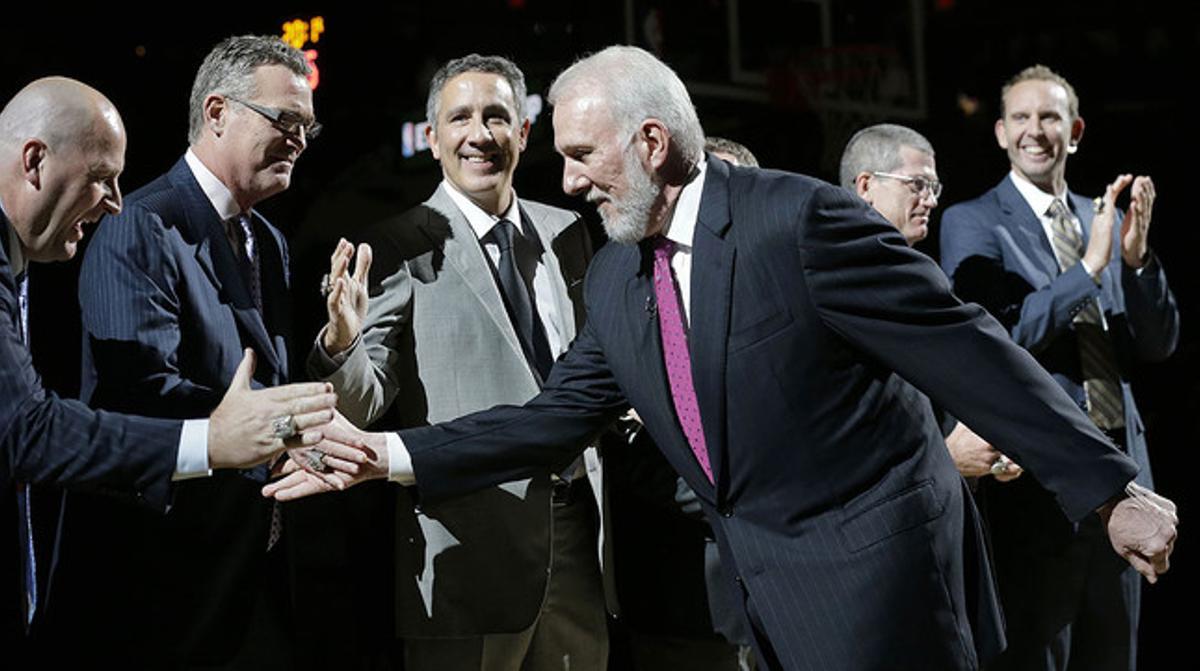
{"x": 473, "y": 294}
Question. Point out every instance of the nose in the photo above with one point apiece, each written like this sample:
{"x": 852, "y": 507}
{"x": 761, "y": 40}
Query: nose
{"x": 300, "y": 137}
{"x": 931, "y": 201}
{"x": 574, "y": 181}
{"x": 479, "y": 132}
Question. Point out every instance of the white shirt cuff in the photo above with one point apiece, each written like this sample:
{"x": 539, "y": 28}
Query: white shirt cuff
{"x": 400, "y": 468}
{"x": 191, "y": 461}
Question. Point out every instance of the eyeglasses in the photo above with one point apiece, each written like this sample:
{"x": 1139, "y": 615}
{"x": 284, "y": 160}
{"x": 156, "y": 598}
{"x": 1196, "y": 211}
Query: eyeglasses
{"x": 287, "y": 122}
{"x": 920, "y": 185}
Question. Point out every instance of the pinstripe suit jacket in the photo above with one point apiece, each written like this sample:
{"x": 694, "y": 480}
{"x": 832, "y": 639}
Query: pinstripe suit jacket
{"x": 839, "y": 517}
{"x": 48, "y": 440}
{"x": 166, "y": 315}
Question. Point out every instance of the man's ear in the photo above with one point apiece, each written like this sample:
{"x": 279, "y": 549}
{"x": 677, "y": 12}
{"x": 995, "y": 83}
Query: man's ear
{"x": 862, "y": 185}
{"x": 33, "y": 158}
{"x": 655, "y": 141}
{"x": 431, "y": 140}
{"x": 525, "y": 126}
{"x": 1001, "y": 136}
{"x": 1076, "y": 135}
{"x": 216, "y": 113}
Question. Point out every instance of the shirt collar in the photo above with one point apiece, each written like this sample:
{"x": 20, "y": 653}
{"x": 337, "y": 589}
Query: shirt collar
{"x": 481, "y": 221}
{"x": 681, "y": 230}
{"x": 1039, "y": 201}
{"x": 214, "y": 189}
{"x": 16, "y": 256}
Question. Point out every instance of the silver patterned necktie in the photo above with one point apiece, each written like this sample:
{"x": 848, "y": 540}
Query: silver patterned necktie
{"x": 1097, "y": 358}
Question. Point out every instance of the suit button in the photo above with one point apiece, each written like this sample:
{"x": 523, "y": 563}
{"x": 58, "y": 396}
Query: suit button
{"x": 738, "y": 579}
{"x": 726, "y": 511}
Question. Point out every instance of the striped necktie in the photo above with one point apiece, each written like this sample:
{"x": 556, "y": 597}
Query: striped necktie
{"x": 1097, "y": 358}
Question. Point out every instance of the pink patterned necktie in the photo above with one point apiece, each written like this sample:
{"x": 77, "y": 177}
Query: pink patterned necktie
{"x": 675, "y": 353}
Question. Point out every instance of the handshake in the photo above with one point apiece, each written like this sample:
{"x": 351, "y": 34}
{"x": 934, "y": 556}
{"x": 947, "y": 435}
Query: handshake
{"x": 324, "y": 450}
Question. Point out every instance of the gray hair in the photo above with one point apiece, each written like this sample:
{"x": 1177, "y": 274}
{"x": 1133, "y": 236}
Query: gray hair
{"x": 228, "y": 70}
{"x": 496, "y": 65}
{"x": 877, "y": 149}
{"x": 740, "y": 153}
{"x": 637, "y": 86}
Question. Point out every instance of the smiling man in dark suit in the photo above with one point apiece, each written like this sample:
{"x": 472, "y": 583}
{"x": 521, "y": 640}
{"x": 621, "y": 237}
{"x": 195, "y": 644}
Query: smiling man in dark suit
{"x": 1082, "y": 291}
{"x": 764, "y": 324}
{"x": 172, "y": 290}
{"x": 62, "y": 149}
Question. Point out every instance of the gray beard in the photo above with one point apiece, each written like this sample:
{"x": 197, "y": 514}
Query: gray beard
{"x": 631, "y": 214}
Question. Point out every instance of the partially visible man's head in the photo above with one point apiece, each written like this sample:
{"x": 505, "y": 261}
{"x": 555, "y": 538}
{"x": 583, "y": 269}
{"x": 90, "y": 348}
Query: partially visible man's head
{"x": 628, "y": 133}
{"x": 892, "y": 168}
{"x": 728, "y": 150}
{"x": 62, "y": 148}
{"x": 251, "y": 114}
{"x": 477, "y": 126}
{"x": 1039, "y": 126}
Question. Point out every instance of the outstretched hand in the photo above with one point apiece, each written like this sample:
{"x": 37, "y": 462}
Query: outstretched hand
{"x": 352, "y": 456}
{"x": 1141, "y": 528}
{"x": 242, "y": 431}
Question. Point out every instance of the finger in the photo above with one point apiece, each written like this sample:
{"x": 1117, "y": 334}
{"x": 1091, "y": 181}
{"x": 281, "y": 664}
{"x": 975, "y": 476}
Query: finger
{"x": 355, "y": 453}
{"x": 341, "y": 465}
{"x": 340, "y": 259}
{"x": 1117, "y": 187}
{"x": 318, "y": 392}
{"x": 335, "y": 301}
{"x": 244, "y": 372}
{"x": 291, "y": 480}
{"x": 308, "y": 420}
{"x": 306, "y": 487}
{"x": 362, "y": 265}
{"x": 1161, "y": 561}
{"x": 1141, "y": 566}
{"x": 305, "y": 439}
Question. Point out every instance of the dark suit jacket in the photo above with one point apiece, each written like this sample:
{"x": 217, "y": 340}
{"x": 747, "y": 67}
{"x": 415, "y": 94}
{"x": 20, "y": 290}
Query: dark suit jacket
{"x": 996, "y": 251}
{"x": 166, "y": 315}
{"x": 45, "y": 439}
{"x": 840, "y": 516}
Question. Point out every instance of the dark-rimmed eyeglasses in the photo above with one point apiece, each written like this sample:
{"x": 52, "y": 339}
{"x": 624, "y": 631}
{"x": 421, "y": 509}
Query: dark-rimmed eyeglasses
{"x": 920, "y": 185}
{"x": 288, "y": 122}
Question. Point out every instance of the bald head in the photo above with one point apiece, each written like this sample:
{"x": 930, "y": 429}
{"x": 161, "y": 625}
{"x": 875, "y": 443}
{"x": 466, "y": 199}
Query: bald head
{"x": 62, "y": 147}
{"x": 59, "y": 111}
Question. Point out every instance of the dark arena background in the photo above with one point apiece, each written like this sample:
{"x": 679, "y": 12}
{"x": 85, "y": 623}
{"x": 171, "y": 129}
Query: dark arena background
{"x": 791, "y": 79}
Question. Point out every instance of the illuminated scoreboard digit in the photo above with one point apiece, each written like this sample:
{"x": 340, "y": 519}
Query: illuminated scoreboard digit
{"x": 300, "y": 33}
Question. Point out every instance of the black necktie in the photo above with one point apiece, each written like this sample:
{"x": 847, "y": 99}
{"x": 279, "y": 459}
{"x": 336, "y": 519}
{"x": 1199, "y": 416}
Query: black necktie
{"x": 245, "y": 248}
{"x": 519, "y": 299}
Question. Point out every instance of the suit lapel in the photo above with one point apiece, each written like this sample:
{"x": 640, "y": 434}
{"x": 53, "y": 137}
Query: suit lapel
{"x": 1029, "y": 232}
{"x": 466, "y": 256}
{"x": 547, "y": 231}
{"x": 712, "y": 281}
{"x": 215, "y": 257}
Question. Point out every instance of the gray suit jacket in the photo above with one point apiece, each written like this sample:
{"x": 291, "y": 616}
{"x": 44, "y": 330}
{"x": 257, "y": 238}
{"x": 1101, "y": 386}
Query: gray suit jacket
{"x": 437, "y": 344}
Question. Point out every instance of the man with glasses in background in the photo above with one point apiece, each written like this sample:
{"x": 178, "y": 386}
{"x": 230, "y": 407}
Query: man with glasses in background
{"x": 1080, "y": 289}
{"x": 172, "y": 290}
